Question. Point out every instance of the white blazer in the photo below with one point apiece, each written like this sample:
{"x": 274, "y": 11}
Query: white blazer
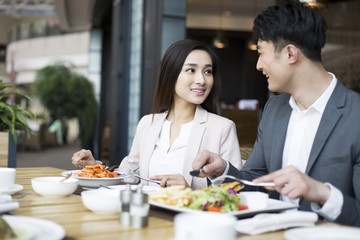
{"x": 209, "y": 132}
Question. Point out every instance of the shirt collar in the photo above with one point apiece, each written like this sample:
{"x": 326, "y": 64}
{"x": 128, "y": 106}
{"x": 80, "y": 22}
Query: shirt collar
{"x": 320, "y": 104}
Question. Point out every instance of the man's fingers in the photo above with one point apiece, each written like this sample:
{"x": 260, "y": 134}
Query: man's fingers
{"x": 201, "y": 159}
{"x": 274, "y": 176}
{"x": 266, "y": 178}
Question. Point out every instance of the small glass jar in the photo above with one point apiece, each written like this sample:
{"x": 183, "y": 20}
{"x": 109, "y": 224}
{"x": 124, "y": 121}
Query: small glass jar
{"x": 125, "y": 198}
{"x": 139, "y": 209}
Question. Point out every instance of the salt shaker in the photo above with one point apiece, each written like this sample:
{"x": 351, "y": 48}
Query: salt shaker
{"x": 139, "y": 209}
{"x": 125, "y": 198}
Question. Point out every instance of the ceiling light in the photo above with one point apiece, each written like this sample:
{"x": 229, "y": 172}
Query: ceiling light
{"x": 220, "y": 41}
{"x": 316, "y": 3}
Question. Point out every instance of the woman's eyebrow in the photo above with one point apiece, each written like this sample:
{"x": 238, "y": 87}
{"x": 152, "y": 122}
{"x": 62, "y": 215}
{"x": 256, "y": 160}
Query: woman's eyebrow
{"x": 194, "y": 64}
{"x": 190, "y": 64}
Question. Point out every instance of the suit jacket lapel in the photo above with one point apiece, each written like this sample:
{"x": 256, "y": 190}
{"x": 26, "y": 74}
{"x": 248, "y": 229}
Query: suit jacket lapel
{"x": 278, "y": 142}
{"x": 197, "y": 132}
{"x": 279, "y": 137}
{"x": 330, "y": 117}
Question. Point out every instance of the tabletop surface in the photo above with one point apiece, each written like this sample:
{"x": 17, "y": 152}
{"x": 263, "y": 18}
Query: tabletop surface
{"x": 81, "y": 223}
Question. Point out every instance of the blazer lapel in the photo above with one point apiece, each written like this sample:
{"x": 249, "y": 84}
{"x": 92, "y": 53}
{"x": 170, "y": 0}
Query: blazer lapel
{"x": 193, "y": 146}
{"x": 152, "y": 136}
{"x": 278, "y": 142}
{"x": 330, "y": 117}
{"x": 279, "y": 137}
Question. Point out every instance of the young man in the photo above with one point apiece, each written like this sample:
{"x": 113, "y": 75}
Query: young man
{"x": 308, "y": 138}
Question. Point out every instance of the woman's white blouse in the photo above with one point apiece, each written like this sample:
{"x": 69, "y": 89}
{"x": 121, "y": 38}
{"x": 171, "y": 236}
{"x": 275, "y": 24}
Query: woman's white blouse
{"x": 169, "y": 161}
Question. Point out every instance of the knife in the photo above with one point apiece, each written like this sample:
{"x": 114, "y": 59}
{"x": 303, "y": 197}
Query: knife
{"x": 196, "y": 173}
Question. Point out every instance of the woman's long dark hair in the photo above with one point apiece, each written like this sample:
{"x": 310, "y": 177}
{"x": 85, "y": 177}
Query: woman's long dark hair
{"x": 170, "y": 69}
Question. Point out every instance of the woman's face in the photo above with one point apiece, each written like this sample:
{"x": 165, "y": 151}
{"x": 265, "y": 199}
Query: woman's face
{"x": 195, "y": 80}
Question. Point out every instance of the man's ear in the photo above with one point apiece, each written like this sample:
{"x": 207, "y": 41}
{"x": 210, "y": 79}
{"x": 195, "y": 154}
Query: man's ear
{"x": 292, "y": 53}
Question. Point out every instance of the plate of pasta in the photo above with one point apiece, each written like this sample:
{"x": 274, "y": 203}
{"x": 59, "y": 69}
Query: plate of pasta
{"x": 222, "y": 199}
{"x": 94, "y": 176}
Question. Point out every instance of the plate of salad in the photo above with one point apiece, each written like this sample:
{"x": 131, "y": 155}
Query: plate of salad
{"x": 223, "y": 198}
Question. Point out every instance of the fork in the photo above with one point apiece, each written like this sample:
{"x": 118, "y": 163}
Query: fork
{"x": 22, "y": 195}
{"x": 146, "y": 179}
{"x": 219, "y": 180}
{"x": 131, "y": 173}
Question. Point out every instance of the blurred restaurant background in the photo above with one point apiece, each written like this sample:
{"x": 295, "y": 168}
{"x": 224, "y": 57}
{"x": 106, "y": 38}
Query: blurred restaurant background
{"x": 117, "y": 46}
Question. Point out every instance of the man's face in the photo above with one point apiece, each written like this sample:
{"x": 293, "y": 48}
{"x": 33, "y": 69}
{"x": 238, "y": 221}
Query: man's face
{"x": 274, "y": 66}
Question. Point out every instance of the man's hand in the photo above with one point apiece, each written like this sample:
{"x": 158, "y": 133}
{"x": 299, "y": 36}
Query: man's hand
{"x": 291, "y": 182}
{"x": 211, "y": 163}
{"x": 83, "y": 158}
{"x": 170, "y": 180}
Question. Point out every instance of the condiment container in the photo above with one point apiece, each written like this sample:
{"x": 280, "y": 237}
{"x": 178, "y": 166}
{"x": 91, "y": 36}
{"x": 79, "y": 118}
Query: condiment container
{"x": 125, "y": 198}
{"x": 139, "y": 208}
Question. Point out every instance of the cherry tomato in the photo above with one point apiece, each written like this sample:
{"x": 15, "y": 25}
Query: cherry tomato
{"x": 214, "y": 209}
{"x": 242, "y": 207}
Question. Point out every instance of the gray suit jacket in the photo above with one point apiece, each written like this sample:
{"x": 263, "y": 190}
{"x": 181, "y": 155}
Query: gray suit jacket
{"x": 335, "y": 154}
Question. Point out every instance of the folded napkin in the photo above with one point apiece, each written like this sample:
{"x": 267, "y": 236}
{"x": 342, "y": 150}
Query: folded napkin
{"x": 5, "y": 198}
{"x": 268, "y": 222}
{"x": 6, "y": 203}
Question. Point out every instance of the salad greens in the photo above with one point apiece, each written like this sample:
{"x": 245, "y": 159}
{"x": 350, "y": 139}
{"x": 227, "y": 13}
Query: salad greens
{"x": 215, "y": 197}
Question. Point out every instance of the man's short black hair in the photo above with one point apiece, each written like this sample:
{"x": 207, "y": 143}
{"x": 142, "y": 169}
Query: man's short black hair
{"x": 292, "y": 22}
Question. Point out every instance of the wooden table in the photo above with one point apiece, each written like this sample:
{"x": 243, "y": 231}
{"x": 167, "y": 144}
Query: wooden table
{"x": 80, "y": 223}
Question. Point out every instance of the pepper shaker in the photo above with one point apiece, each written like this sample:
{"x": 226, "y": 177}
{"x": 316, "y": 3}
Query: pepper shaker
{"x": 139, "y": 209}
{"x": 125, "y": 198}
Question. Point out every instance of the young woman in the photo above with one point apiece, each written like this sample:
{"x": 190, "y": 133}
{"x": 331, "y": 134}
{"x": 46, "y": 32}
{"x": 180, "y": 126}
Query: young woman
{"x": 183, "y": 122}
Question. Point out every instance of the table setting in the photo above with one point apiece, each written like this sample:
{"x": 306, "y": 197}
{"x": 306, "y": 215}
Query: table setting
{"x": 99, "y": 213}
{"x": 7, "y": 181}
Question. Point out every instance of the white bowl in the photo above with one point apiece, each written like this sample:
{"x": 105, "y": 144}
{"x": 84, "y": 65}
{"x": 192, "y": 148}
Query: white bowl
{"x": 254, "y": 200}
{"x": 102, "y": 201}
{"x": 52, "y": 187}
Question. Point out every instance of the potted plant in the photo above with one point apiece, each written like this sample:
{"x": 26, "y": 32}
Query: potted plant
{"x": 12, "y": 118}
{"x": 66, "y": 94}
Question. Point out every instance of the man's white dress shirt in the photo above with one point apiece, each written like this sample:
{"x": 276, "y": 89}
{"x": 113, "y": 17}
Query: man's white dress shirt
{"x": 300, "y": 136}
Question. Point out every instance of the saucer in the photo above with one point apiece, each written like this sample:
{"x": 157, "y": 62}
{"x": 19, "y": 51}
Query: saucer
{"x": 13, "y": 189}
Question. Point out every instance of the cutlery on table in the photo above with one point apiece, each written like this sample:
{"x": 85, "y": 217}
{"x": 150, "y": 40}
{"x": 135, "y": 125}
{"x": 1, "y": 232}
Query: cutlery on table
{"x": 106, "y": 187}
{"x": 146, "y": 179}
{"x": 133, "y": 174}
{"x": 195, "y": 173}
{"x": 220, "y": 179}
{"x": 66, "y": 177}
{"x": 22, "y": 195}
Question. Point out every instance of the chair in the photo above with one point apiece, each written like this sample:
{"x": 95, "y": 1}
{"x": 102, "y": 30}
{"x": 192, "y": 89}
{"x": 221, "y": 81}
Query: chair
{"x": 245, "y": 152}
{"x": 49, "y": 138}
{"x": 246, "y": 122}
{"x": 36, "y": 140}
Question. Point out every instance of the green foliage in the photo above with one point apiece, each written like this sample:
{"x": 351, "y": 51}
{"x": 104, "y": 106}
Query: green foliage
{"x": 67, "y": 94}
{"x": 12, "y": 117}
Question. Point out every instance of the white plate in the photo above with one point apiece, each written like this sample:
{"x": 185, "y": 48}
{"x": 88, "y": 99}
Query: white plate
{"x": 146, "y": 189}
{"x": 15, "y": 188}
{"x": 323, "y": 233}
{"x": 40, "y": 229}
{"x": 94, "y": 182}
{"x": 272, "y": 206}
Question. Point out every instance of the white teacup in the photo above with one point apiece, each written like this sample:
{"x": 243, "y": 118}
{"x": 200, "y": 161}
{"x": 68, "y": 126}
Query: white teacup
{"x": 209, "y": 226}
{"x": 7, "y": 178}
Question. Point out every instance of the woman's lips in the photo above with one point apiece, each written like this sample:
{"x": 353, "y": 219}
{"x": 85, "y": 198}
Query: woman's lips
{"x": 198, "y": 91}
